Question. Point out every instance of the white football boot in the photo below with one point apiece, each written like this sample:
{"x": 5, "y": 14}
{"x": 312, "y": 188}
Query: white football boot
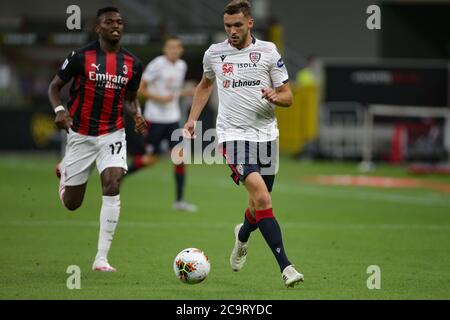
{"x": 291, "y": 277}
{"x": 239, "y": 253}
{"x": 184, "y": 206}
{"x": 102, "y": 265}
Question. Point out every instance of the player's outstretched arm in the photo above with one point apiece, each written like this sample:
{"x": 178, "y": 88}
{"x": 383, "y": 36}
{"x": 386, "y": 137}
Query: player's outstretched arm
{"x": 62, "y": 118}
{"x": 201, "y": 96}
{"x": 281, "y": 96}
{"x": 134, "y": 110}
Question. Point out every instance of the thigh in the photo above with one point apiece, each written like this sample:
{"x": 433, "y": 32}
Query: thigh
{"x": 241, "y": 158}
{"x": 74, "y": 194}
{"x": 112, "y": 151}
{"x": 255, "y": 185}
{"x": 81, "y": 153}
{"x": 268, "y": 156}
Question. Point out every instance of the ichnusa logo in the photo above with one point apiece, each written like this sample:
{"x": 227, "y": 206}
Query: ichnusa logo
{"x": 246, "y": 83}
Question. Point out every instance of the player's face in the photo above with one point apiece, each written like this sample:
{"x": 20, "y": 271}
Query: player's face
{"x": 110, "y": 26}
{"x": 237, "y": 27}
{"x": 173, "y": 49}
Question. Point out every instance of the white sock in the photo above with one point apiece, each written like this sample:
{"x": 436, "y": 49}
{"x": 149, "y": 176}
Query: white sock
{"x": 109, "y": 217}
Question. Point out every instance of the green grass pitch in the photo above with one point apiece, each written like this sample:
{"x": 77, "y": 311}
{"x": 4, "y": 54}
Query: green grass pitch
{"x": 331, "y": 233}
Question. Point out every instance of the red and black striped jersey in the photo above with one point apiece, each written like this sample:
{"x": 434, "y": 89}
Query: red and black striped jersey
{"x": 97, "y": 94}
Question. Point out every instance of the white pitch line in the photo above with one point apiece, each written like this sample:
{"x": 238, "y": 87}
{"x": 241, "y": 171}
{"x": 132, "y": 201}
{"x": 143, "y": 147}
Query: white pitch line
{"x": 225, "y": 226}
{"x": 354, "y": 194}
{"x": 351, "y": 193}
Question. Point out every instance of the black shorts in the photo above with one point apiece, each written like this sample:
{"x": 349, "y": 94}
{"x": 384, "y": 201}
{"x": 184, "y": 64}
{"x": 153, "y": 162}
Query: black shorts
{"x": 245, "y": 157}
{"x": 157, "y": 133}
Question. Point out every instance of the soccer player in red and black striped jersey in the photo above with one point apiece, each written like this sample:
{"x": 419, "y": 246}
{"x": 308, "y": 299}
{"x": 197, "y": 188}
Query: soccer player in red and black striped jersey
{"x": 105, "y": 79}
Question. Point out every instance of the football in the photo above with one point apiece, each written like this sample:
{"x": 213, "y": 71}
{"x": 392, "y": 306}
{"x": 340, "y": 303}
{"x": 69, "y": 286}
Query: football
{"x": 191, "y": 266}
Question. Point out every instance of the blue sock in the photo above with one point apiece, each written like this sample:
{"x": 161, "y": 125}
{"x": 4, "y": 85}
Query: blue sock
{"x": 270, "y": 229}
{"x": 248, "y": 227}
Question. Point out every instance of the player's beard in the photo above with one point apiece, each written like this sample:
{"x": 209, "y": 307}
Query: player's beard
{"x": 242, "y": 40}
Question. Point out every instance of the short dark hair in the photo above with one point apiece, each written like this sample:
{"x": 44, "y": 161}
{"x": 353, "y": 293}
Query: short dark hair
{"x": 171, "y": 37}
{"x": 106, "y": 9}
{"x": 237, "y": 6}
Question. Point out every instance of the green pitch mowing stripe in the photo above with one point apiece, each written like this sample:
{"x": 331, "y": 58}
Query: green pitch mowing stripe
{"x": 332, "y": 234}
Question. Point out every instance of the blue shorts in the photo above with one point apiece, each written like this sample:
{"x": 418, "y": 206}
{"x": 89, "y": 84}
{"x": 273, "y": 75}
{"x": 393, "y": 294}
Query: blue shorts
{"x": 157, "y": 133}
{"x": 245, "y": 157}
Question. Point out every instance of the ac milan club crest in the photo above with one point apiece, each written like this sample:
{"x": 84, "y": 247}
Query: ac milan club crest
{"x": 227, "y": 69}
{"x": 125, "y": 69}
{"x": 255, "y": 56}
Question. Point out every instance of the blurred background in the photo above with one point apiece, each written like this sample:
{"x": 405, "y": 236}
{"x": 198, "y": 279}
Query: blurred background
{"x": 371, "y": 111}
{"x": 361, "y": 94}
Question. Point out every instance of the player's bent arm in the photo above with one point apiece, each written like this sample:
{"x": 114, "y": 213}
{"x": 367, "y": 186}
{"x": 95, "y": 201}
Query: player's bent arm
{"x": 54, "y": 90}
{"x": 284, "y": 97}
{"x": 188, "y": 91}
{"x": 62, "y": 118}
{"x": 144, "y": 93}
{"x": 201, "y": 96}
{"x": 134, "y": 110}
{"x": 132, "y": 104}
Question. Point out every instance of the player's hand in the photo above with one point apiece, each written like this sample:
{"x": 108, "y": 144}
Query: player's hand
{"x": 269, "y": 94}
{"x": 63, "y": 120}
{"x": 140, "y": 125}
{"x": 189, "y": 129}
{"x": 167, "y": 99}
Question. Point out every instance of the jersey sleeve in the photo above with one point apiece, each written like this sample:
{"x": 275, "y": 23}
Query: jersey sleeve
{"x": 184, "y": 68}
{"x": 133, "y": 85}
{"x": 71, "y": 67}
{"x": 151, "y": 72}
{"x": 208, "y": 70}
{"x": 278, "y": 71}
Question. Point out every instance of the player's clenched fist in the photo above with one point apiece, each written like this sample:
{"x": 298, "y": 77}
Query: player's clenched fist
{"x": 188, "y": 130}
{"x": 63, "y": 120}
{"x": 140, "y": 125}
{"x": 269, "y": 94}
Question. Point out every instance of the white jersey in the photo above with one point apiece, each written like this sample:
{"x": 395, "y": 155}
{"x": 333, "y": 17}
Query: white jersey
{"x": 164, "y": 78}
{"x": 240, "y": 75}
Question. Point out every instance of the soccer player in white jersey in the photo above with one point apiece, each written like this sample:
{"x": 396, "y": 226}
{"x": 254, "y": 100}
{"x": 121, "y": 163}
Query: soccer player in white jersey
{"x": 251, "y": 80}
{"x": 162, "y": 85}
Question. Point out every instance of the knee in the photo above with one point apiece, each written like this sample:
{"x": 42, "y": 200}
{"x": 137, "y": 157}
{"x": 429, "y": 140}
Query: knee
{"x": 111, "y": 187}
{"x": 72, "y": 205}
{"x": 262, "y": 201}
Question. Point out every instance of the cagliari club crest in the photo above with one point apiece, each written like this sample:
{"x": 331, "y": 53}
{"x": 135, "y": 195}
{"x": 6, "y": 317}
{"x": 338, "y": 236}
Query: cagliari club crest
{"x": 255, "y": 57}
